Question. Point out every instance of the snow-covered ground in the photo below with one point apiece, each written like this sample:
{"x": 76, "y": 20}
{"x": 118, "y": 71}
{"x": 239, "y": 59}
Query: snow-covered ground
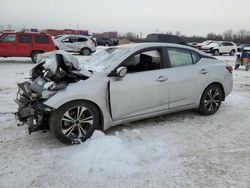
{"x": 182, "y": 149}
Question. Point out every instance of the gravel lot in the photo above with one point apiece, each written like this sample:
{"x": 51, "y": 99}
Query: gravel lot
{"x": 177, "y": 150}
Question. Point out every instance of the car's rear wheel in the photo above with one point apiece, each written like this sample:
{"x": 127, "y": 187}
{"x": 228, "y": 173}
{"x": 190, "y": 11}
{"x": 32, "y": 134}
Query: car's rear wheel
{"x": 216, "y": 52}
{"x": 232, "y": 53}
{"x": 211, "y": 100}
{"x": 74, "y": 122}
{"x": 34, "y": 55}
{"x": 85, "y": 51}
{"x": 236, "y": 67}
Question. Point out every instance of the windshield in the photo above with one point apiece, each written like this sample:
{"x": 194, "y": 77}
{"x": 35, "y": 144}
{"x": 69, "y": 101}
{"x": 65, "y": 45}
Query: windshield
{"x": 105, "y": 59}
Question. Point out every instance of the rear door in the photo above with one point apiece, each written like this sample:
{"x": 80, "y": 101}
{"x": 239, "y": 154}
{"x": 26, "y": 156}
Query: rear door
{"x": 43, "y": 42}
{"x": 187, "y": 77}
{"x": 144, "y": 89}
{"x": 223, "y": 47}
{"x": 79, "y": 43}
{"x": 230, "y": 47}
{"x": 24, "y": 45}
{"x": 8, "y": 45}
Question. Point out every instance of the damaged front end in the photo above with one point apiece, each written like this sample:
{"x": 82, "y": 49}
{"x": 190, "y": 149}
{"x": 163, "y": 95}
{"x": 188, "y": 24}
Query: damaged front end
{"x": 54, "y": 71}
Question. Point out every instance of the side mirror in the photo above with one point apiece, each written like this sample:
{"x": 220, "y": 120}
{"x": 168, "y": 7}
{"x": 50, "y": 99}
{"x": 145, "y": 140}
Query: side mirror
{"x": 121, "y": 72}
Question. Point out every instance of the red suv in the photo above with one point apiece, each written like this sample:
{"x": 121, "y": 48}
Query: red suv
{"x": 25, "y": 44}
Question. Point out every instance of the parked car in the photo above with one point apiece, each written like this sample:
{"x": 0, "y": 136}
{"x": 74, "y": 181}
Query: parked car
{"x": 118, "y": 85}
{"x": 104, "y": 41}
{"x": 165, "y": 38}
{"x": 204, "y": 43}
{"x": 22, "y": 44}
{"x": 75, "y": 43}
{"x": 193, "y": 44}
{"x": 221, "y": 47}
{"x": 241, "y": 47}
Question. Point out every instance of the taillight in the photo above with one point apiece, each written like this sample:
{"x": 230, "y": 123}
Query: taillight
{"x": 230, "y": 68}
{"x": 93, "y": 41}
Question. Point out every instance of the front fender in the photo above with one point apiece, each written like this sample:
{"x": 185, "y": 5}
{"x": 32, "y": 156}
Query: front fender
{"x": 90, "y": 90}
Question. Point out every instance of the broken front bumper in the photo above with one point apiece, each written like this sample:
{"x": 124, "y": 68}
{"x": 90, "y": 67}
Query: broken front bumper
{"x": 31, "y": 110}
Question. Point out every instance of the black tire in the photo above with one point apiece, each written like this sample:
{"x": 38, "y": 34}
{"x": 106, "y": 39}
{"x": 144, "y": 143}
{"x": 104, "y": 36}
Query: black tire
{"x": 216, "y": 52}
{"x": 85, "y": 51}
{"x": 236, "y": 67}
{"x": 68, "y": 128}
{"x": 106, "y": 44}
{"x": 34, "y": 55}
{"x": 211, "y": 100}
{"x": 232, "y": 53}
{"x": 247, "y": 68}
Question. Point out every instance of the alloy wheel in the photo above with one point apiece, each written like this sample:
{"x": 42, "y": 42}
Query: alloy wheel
{"x": 85, "y": 52}
{"x": 212, "y": 100}
{"x": 76, "y": 122}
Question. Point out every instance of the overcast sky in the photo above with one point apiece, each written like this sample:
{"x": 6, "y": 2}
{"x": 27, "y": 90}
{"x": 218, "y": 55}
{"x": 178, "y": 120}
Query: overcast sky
{"x": 190, "y": 17}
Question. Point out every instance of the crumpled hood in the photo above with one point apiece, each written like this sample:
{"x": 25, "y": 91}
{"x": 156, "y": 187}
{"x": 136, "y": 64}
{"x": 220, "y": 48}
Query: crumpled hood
{"x": 50, "y": 62}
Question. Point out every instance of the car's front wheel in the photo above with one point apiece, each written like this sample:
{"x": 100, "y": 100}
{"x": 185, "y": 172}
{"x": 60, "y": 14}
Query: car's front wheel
{"x": 106, "y": 44}
{"x": 211, "y": 100}
{"x": 74, "y": 122}
{"x": 216, "y": 52}
{"x": 34, "y": 55}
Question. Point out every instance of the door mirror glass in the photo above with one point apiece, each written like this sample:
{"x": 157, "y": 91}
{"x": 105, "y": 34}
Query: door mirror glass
{"x": 121, "y": 72}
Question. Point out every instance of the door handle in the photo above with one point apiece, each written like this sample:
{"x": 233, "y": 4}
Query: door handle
{"x": 203, "y": 71}
{"x": 162, "y": 78}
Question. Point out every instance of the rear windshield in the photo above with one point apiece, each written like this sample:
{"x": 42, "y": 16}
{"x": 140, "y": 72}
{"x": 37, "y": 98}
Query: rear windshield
{"x": 42, "y": 39}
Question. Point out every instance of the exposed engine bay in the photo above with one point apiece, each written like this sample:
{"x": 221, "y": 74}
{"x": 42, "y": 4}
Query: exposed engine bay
{"x": 53, "y": 72}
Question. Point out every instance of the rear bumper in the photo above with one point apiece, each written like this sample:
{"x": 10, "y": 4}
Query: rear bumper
{"x": 228, "y": 84}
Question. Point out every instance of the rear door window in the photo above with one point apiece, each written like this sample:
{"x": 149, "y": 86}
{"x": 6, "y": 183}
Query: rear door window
{"x": 179, "y": 57}
{"x": 24, "y": 38}
{"x": 80, "y": 39}
{"x": 229, "y": 44}
{"x": 42, "y": 39}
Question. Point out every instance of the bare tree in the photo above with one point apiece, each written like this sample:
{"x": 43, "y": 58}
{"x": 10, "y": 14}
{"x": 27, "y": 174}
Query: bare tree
{"x": 130, "y": 35}
{"x": 178, "y": 33}
{"x": 228, "y": 35}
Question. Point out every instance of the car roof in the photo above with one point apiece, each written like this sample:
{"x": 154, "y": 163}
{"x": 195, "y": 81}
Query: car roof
{"x": 68, "y": 35}
{"x": 155, "y": 44}
{"x": 139, "y": 46}
{"x": 30, "y": 33}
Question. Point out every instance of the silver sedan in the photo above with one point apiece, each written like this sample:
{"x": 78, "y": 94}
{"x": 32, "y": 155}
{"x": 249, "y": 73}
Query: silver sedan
{"x": 118, "y": 85}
